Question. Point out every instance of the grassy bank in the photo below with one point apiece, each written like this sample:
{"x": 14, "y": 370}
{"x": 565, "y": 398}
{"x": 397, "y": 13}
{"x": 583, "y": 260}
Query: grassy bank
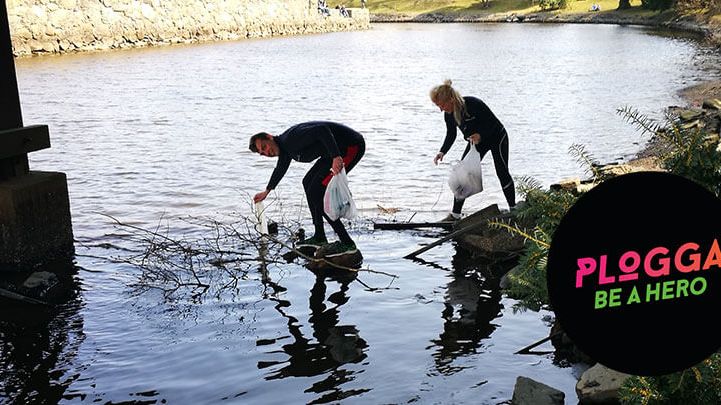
{"x": 479, "y": 7}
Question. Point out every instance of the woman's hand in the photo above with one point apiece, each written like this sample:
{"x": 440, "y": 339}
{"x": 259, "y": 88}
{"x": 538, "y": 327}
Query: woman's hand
{"x": 337, "y": 165}
{"x": 261, "y": 196}
{"x": 438, "y": 158}
{"x": 475, "y": 139}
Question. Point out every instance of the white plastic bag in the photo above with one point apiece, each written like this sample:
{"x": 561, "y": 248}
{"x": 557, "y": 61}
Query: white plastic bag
{"x": 338, "y": 200}
{"x": 465, "y": 179}
{"x": 260, "y": 216}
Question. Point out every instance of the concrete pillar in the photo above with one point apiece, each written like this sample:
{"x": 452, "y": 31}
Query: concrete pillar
{"x": 35, "y": 225}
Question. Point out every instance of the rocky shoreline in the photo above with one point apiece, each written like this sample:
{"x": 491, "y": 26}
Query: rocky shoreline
{"x": 700, "y": 25}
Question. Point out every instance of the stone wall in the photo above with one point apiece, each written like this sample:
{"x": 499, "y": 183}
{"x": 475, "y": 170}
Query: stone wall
{"x": 55, "y": 26}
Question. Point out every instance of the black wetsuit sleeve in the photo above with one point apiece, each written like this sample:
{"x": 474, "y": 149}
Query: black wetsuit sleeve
{"x": 280, "y": 169}
{"x": 451, "y": 133}
{"x": 325, "y": 136}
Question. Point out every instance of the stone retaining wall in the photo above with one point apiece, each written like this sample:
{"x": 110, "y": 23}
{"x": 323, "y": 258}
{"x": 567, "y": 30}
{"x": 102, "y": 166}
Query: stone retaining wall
{"x": 55, "y": 26}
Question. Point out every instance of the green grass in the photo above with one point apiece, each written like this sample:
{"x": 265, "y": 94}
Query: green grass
{"x": 476, "y": 7}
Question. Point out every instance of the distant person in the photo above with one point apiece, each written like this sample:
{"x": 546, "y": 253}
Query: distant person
{"x": 363, "y": 3}
{"x": 595, "y": 7}
{"x": 332, "y": 146}
{"x": 481, "y": 129}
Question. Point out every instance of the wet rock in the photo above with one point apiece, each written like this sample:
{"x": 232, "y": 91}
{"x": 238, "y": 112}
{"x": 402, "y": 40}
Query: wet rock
{"x": 488, "y": 241}
{"x": 689, "y": 115}
{"x": 600, "y": 385}
{"x": 352, "y": 260}
{"x": 531, "y": 392}
{"x": 40, "y": 280}
{"x": 565, "y": 348}
{"x": 567, "y": 184}
{"x": 712, "y": 104}
{"x": 505, "y": 281}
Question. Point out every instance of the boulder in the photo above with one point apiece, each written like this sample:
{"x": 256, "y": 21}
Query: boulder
{"x": 352, "y": 260}
{"x": 531, "y": 392}
{"x": 488, "y": 241}
{"x": 712, "y": 104}
{"x": 570, "y": 184}
{"x": 689, "y": 115}
{"x": 600, "y": 385}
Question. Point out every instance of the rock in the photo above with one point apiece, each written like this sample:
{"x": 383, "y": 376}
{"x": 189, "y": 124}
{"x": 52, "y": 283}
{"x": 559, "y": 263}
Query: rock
{"x": 613, "y": 170}
{"x": 353, "y": 261}
{"x": 565, "y": 348}
{"x": 689, "y": 115}
{"x": 712, "y": 104}
{"x": 491, "y": 242}
{"x": 505, "y": 282}
{"x": 585, "y": 187}
{"x": 530, "y": 392}
{"x": 567, "y": 184}
{"x": 40, "y": 279}
{"x": 600, "y": 385}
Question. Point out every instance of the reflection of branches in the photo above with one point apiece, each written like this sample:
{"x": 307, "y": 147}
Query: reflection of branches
{"x": 211, "y": 256}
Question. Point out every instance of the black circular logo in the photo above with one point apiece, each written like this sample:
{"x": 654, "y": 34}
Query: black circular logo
{"x": 634, "y": 272}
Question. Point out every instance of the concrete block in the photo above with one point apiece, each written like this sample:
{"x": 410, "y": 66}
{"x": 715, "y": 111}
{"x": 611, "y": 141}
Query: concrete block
{"x": 35, "y": 224}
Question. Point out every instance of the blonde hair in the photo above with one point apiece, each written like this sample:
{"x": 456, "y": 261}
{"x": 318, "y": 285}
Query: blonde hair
{"x": 445, "y": 92}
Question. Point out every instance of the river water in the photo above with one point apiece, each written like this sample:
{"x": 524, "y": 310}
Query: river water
{"x": 153, "y": 135}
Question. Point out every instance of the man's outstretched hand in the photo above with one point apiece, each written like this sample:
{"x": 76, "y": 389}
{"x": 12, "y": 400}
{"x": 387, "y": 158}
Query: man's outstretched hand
{"x": 261, "y": 196}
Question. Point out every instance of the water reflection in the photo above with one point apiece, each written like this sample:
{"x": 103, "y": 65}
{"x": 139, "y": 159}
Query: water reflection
{"x": 331, "y": 346}
{"x": 472, "y": 301}
{"x": 38, "y": 346}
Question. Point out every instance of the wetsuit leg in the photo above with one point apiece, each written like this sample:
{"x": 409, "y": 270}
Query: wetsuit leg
{"x": 351, "y": 156}
{"x": 500, "y": 161}
{"x": 314, "y": 191}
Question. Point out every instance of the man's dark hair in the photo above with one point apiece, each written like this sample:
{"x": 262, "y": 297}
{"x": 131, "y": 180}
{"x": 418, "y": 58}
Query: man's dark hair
{"x": 259, "y": 135}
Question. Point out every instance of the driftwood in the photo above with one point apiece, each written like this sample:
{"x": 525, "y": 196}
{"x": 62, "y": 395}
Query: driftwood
{"x": 20, "y": 298}
{"x": 412, "y": 225}
{"x": 527, "y": 349}
{"x": 444, "y": 239}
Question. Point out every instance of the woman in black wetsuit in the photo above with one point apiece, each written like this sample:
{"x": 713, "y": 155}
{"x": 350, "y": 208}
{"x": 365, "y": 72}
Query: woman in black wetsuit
{"x": 480, "y": 128}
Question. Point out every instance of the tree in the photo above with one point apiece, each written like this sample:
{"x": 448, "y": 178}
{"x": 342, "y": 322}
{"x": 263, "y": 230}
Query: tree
{"x": 624, "y": 4}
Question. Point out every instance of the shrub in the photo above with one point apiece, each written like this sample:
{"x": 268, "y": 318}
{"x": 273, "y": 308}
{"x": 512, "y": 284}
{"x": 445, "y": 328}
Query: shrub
{"x": 547, "y": 5}
{"x": 657, "y": 4}
{"x": 698, "y": 385}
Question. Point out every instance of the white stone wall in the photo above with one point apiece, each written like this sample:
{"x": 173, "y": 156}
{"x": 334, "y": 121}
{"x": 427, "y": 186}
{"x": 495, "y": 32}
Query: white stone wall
{"x": 52, "y": 26}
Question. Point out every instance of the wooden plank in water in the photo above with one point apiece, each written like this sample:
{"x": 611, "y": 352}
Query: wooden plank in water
{"x": 412, "y": 225}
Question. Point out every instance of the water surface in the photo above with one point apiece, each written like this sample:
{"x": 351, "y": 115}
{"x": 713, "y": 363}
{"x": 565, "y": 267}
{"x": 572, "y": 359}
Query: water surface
{"x": 162, "y": 133}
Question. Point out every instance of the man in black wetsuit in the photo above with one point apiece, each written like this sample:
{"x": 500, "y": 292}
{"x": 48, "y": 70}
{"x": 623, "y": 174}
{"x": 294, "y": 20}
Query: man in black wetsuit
{"x": 480, "y": 127}
{"x": 335, "y": 146}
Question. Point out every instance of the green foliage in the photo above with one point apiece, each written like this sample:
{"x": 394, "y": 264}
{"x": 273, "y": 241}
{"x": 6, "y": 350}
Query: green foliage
{"x": 552, "y": 4}
{"x": 657, "y": 4}
{"x": 688, "y": 150}
{"x": 527, "y": 282}
{"x": 699, "y": 385}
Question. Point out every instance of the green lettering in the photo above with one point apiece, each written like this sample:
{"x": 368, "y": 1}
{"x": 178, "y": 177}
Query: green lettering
{"x": 681, "y": 287}
{"x": 614, "y": 299}
{"x": 695, "y": 288}
{"x": 601, "y": 300}
{"x": 667, "y": 290}
{"x": 633, "y": 298}
{"x": 652, "y": 289}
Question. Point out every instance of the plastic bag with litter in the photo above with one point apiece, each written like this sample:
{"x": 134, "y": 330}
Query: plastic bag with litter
{"x": 465, "y": 178}
{"x": 338, "y": 200}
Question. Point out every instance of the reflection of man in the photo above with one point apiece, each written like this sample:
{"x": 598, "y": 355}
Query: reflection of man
{"x": 331, "y": 346}
{"x": 334, "y": 146}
